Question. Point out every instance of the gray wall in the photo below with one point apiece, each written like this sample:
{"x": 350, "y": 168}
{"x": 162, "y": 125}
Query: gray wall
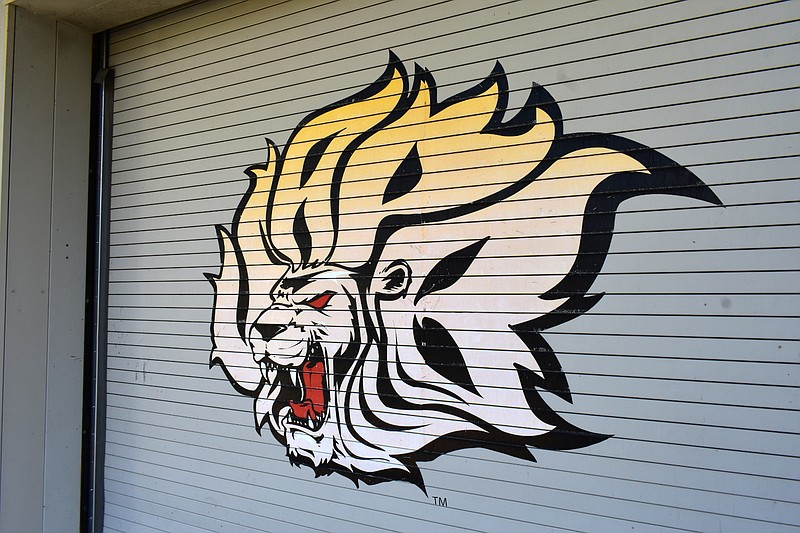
{"x": 44, "y": 196}
{"x": 690, "y": 360}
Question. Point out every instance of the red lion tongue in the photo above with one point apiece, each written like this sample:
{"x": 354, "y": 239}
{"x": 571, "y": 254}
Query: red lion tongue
{"x": 313, "y": 405}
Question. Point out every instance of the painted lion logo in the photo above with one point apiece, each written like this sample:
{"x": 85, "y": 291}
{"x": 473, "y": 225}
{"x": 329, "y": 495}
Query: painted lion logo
{"x": 387, "y": 277}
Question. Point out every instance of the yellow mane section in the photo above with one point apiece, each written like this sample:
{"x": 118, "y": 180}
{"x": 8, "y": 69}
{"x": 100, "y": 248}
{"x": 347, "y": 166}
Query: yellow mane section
{"x": 344, "y": 123}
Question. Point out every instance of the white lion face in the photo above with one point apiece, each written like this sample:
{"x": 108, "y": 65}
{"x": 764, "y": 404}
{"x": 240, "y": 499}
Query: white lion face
{"x": 306, "y": 344}
{"x": 295, "y": 343}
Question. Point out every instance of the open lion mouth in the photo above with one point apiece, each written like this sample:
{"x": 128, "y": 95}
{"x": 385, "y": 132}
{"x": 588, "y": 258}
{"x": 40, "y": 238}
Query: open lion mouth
{"x": 303, "y": 397}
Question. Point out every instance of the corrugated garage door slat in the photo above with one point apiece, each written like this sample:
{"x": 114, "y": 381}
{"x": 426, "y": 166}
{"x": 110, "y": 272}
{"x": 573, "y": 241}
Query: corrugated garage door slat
{"x": 689, "y": 361}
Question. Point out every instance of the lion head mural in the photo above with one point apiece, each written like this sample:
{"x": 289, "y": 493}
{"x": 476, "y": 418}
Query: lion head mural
{"x": 389, "y": 273}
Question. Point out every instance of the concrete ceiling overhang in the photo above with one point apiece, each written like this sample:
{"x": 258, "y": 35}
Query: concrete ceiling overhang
{"x": 96, "y": 15}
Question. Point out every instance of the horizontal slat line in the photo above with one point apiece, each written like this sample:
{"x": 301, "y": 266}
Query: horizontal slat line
{"x": 663, "y": 190}
{"x": 602, "y": 274}
{"x": 117, "y": 50}
{"x": 470, "y": 311}
{"x": 620, "y": 232}
{"x": 585, "y": 333}
{"x": 317, "y": 482}
{"x": 510, "y": 313}
{"x": 139, "y": 517}
{"x": 498, "y": 460}
{"x": 538, "y": 274}
{"x": 522, "y": 142}
{"x": 614, "y": 293}
{"x": 214, "y": 377}
{"x": 516, "y": 520}
{"x": 554, "y": 313}
{"x": 469, "y": 241}
{"x": 115, "y": 39}
{"x": 274, "y": 32}
{"x": 494, "y": 350}
{"x": 443, "y": 381}
{"x": 181, "y": 509}
{"x": 591, "y": 312}
{"x": 250, "y": 24}
{"x": 155, "y": 23}
{"x": 241, "y": 167}
{"x": 216, "y": 518}
{"x": 193, "y": 365}
{"x": 773, "y": 180}
{"x": 520, "y": 72}
{"x": 216, "y": 265}
{"x": 137, "y": 502}
{"x": 660, "y": 26}
{"x": 600, "y": 95}
{"x": 526, "y": 90}
{"x": 192, "y": 442}
{"x": 545, "y": 143}
{"x": 203, "y": 281}
{"x": 582, "y": 452}
{"x": 568, "y": 414}
{"x": 262, "y": 502}
{"x": 508, "y": 111}
{"x": 483, "y": 478}
{"x": 625, "y": 132}
{"x": 416, "y": 25}
{"x": 541, "y": 198}
{"x": 228, "y": 181}
{"x": 110, "y": 514}
{"x": 494, "y": 166}
{"x": 456, "y": 222}
{"x": 139, "y": 512}
{"x": 207, "y": 351}
{"x": 426, "y": 520}
{"x": 459, "y": 223}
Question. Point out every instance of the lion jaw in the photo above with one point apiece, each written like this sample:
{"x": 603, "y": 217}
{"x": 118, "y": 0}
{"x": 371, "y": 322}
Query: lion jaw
{"x": 294, "y": 372}
{"x": 294, "y": 342}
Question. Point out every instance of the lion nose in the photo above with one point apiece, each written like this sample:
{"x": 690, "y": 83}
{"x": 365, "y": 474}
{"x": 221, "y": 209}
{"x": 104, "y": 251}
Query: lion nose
{"x": 268, "y": 331}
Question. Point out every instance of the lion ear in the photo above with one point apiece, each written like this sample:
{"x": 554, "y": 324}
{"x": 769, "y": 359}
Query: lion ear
{"x": 392, "y": 282}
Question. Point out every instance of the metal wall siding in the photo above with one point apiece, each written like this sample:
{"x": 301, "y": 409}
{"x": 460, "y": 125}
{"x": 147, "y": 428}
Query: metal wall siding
{"x": 689, "y": 361}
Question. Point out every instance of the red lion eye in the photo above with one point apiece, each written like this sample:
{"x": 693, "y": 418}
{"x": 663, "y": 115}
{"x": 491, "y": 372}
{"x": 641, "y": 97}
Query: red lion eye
{"x": 321, "y": 300}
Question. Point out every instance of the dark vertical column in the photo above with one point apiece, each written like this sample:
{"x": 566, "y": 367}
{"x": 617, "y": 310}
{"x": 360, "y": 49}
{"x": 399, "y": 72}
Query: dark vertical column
{"x": 97, "y": 288}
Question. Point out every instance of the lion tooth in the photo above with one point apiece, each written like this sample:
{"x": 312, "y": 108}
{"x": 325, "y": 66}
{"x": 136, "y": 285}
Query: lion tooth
{"x": 263, "y": 368}
{"x": 272, "y": 373}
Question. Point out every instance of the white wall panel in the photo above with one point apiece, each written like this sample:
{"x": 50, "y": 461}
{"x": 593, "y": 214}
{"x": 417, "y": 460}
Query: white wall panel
{"x": 44, "y": 272}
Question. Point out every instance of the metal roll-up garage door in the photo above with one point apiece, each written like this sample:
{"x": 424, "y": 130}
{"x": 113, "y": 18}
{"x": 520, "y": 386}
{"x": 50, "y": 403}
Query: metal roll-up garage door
{"x": 363, "y": 278}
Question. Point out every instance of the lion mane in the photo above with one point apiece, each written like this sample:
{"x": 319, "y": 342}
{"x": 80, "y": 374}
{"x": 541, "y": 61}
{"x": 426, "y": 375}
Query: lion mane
{"x": 389, "y": 273}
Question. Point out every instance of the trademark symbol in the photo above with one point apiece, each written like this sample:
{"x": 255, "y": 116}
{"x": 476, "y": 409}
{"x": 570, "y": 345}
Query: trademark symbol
{"x": 441, "y": 502}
